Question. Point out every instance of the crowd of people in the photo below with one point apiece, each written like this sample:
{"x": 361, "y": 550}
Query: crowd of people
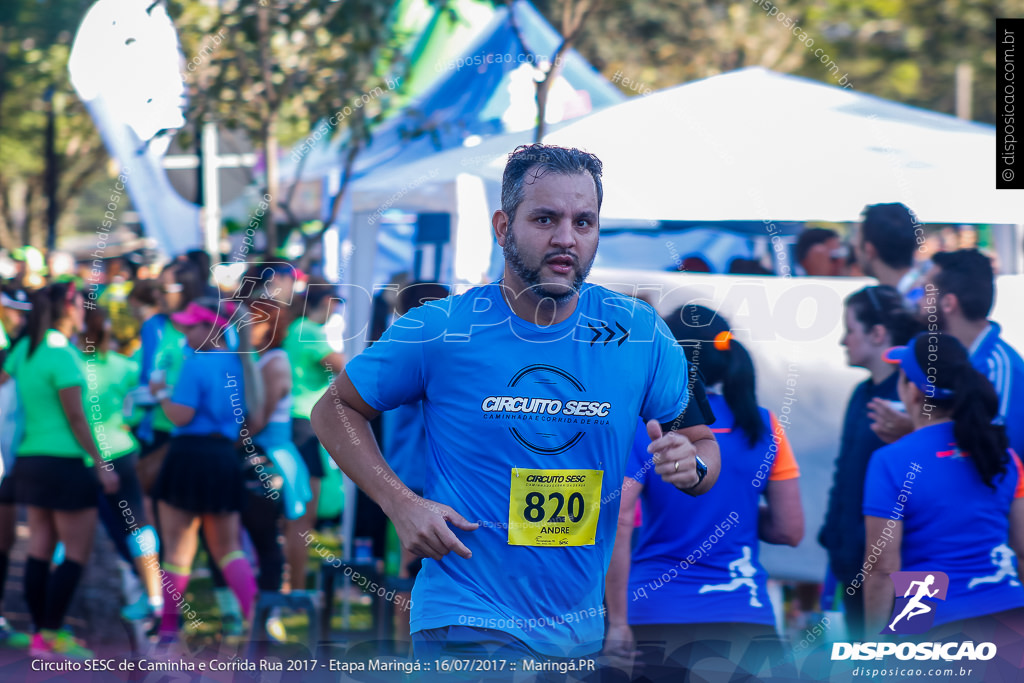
{"x": 146, "y": 407}
{"x": 558, "y": 495}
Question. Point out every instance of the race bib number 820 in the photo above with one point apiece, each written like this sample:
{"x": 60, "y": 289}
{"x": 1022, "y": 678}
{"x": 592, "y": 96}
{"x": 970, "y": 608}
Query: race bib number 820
{"x": 554, "y": 507}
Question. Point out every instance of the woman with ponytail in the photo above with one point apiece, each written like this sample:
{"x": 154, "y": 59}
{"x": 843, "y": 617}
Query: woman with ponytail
{"x": 876, "y": 319}
{"x": 948, "y": 497}
{"x": 694, "y": 573}
{"x": 201, "y": 481}
{"x": 110, "y": 377}
{"x": 59, "y": 471}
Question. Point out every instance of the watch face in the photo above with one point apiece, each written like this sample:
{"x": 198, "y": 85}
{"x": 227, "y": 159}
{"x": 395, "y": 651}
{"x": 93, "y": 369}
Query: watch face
{"x": 702, "y": 470}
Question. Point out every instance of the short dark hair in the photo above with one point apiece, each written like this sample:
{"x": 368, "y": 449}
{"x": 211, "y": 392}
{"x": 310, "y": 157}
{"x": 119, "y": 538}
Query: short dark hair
{"x": 419, "y": 293}
{"x": 548, "y": 159}
{"x": 317, "y": 289}
{"x": 190, "y": 277}
{"x": 812, "y": 237}
{"x": 968, "y": 274}
{"x": 125, "y": 264}
{"x": 146, "y": 292}
{"x": 892, "y": 228}
{"x": 201, "y": 260}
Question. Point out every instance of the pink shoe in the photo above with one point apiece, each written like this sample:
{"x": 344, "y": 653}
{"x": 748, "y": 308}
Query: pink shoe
{"x": 40, "y": 647}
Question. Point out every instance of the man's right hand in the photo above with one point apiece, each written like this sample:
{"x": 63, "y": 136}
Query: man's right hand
{"x": 888, "y": 423}
{"x": 422, "y": 526}
{"x": 620, "y": 649}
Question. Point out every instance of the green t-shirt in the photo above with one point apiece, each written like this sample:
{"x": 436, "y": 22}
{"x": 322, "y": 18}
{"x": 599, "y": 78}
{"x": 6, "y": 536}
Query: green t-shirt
{"x": 56, "y": 364}
{"x": 109, "y": 378}
{"x": 170, "y": 354}
{"x": 306, "y": 345}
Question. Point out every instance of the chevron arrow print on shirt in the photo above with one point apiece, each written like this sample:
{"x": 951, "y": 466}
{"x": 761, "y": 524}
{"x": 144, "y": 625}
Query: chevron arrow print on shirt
{"x": 608, "y": 333}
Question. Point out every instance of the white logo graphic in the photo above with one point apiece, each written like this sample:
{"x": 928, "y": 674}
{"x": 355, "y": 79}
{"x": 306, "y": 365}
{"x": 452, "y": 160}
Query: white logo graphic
{"x": 948, "y": 652}
{"x": 915, "y": 606}
{"x": 1002, "y": 558}
{"x": 743, "y": 571}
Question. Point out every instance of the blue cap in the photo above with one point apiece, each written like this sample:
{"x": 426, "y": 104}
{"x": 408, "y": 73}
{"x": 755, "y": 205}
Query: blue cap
{"x": 905, "y": 358}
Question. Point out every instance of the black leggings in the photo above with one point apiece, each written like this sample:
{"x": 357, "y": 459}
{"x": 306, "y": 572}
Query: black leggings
{"x": 260, "y": 519}
{"x": 122, "y": 512}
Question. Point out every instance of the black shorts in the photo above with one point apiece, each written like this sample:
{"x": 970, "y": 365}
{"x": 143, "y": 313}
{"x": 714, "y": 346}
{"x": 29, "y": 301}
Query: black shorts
{"x": 7, "y": 488}
{"x": 201, "y": 474}
{"x": 55, "y": 483}
{"x": 157, "y": 442}
{"x": 308, "y": 446}
{"x": 126, "y": 502}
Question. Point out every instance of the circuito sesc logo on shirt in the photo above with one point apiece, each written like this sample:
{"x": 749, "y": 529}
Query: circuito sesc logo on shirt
{"x": 538, "y": 402}
{"x": 917, "y": 593}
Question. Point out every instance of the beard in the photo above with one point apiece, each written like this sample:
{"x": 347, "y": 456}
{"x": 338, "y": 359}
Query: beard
{"x": 531, "y": 276}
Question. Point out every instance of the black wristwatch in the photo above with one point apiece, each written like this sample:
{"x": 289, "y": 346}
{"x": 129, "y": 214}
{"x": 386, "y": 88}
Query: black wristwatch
{"x": 702, "y": 471}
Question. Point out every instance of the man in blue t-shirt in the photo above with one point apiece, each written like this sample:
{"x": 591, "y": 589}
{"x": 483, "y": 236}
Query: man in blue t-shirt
{"x": 530, "y": 388}
{"x": 958, "y": 296}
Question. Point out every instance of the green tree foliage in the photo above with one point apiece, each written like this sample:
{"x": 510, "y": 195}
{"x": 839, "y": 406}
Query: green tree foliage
{"x": 909, "y": 50}
{"x": 273, "y": 68}
{"x": 35, "y": 41}
{"x": 906, "y": 50}
{"x": 660, "y": 44}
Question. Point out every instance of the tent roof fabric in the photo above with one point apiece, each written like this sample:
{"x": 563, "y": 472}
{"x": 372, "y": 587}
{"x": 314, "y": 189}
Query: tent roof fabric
{"x": 755, "y": 145}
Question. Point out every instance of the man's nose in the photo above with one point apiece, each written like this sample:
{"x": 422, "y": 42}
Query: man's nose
{"x": 564, "y": 235}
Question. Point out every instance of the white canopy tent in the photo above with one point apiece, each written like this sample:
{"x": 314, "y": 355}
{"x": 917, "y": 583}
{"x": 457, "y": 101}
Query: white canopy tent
{"x": 751, "y": 145}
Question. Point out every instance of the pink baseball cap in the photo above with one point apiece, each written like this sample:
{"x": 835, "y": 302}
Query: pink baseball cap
{"x": 196, "y": 314}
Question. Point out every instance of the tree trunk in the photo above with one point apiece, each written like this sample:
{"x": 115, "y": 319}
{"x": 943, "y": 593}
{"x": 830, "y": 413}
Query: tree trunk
{"x": 542, "y": 105}
{"x": 270, "y": 152}
{"x": 270, "y": 147}
{"x": 574, "y": 14}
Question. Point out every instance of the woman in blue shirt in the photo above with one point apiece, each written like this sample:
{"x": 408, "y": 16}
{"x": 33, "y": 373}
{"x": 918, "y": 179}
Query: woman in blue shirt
{"x": 201, "y": 479}
{"x": 694, "y": 574}
{"x": 946, "y": 498}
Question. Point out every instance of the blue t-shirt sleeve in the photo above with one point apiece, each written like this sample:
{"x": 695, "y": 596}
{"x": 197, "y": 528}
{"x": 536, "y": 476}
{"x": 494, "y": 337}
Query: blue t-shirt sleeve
{"x": 639, "y": 464}
{"x": 667, "y": 392}
{"x": 391, "y": 372}
{"x": 881, "y": 487}
{"x": 150, "y": 334}
{"x": 189, "y": 389}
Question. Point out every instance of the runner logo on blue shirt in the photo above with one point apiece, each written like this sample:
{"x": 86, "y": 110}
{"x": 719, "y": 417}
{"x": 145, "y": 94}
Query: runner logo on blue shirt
{"x": 915, "y": 611}
{"x": 742, "y": 571}
{"x": 1002, "y": 558}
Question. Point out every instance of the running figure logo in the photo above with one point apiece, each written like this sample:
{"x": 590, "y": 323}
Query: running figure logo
{"x": 743, "y": 572}
{"x": 1002, "y": 557}
{"x": 915, "y": 611}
